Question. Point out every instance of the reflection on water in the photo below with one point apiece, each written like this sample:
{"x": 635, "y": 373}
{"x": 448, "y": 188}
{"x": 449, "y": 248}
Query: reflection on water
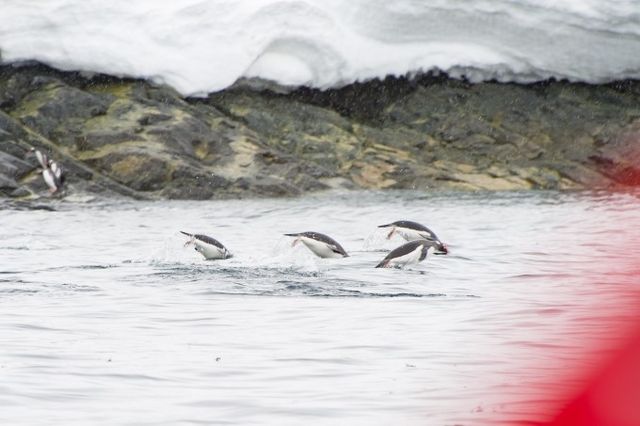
{"x": 108, "y": 319}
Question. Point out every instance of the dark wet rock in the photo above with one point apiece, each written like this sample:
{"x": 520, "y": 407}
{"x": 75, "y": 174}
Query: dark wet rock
{"x": 21, "y": 192}
{"x": 56, "y": 111}
{"x": 12, "y": 169}
{"x": 198, "y": 186}
{"x": 130, "y": 137}
{"x": 136, "y": 169}
{"x": 7, "y": 185}
{"x": 13, "y": 166}
{"x": 618, "y": 157}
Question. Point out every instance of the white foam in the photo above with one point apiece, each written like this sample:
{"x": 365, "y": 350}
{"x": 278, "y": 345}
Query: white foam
{"x": 200, "y": 46}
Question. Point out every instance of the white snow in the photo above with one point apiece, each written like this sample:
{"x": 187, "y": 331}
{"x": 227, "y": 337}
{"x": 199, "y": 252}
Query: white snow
{"x": 200, "y": 46}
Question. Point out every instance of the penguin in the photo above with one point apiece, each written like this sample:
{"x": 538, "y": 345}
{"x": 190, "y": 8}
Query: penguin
{"x": 207, "y": 246}
{"x": 43, "y": 160}
{"x": 408, "y": 254}
{"x": 321, "y": 245}
{"x": 52, "y": 172}
{"x": 58, "y": 171}
{"x": 51, "y": 180}
{"x": 414, "y": 231}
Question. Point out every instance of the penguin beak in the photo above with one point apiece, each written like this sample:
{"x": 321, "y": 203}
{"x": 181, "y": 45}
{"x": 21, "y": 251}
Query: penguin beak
{"x": 190, "y": 241}
{"x": 296, "y": 241}
{"x": 443, "y": 249}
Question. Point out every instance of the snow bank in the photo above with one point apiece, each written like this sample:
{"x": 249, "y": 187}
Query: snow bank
{"x": 201, "y": 46}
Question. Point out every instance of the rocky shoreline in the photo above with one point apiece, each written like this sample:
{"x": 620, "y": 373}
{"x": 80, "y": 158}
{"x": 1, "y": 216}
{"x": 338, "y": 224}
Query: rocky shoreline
{"x": 130, "y": 137}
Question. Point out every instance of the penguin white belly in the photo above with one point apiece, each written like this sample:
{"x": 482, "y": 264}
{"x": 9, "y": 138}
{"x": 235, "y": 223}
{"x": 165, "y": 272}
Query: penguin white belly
{"x": 410, "y": 258}
{"x": 412, "y": 234}
{"x": 50, "y": 180}
{"x": 209, "y": 251}
{"x": 319, "y": 248}
{"x": 42, "y": 159}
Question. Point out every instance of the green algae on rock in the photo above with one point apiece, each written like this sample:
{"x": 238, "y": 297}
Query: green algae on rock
{"x": 130, "y": 137}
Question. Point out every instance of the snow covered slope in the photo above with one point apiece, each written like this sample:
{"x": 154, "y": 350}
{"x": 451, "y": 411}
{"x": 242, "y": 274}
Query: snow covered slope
{"x": 201, "y": 46}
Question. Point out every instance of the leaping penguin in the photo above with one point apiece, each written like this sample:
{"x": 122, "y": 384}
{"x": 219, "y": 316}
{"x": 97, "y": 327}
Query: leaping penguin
{"x": 53, "y": 176}
{"x": 42, "y": 157}
{"x": 321, "y": 245}
{"x": 414, "y": 231}
{"x": 51, "y": 180}
{"x": 408, "y": 254}
{"x": 52, "y": 173}
{"x": 207, "y": 246}
{"x": 58, "y": 171}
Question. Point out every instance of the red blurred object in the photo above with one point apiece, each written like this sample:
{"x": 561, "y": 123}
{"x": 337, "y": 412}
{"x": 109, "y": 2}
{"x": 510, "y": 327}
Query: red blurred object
{"x": 613, "y": 396}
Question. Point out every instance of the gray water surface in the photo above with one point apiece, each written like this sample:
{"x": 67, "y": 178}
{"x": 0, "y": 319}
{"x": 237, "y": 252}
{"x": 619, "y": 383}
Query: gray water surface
{"x": 105, "y": 318}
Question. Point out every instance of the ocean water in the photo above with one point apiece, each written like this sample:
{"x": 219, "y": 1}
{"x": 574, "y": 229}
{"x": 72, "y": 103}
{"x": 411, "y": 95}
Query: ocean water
{"x": 199, "y": 46}
{"x": 106, "y": 318}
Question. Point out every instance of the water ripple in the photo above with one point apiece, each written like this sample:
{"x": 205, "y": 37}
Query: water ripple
{"x": 104, "y": 301}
